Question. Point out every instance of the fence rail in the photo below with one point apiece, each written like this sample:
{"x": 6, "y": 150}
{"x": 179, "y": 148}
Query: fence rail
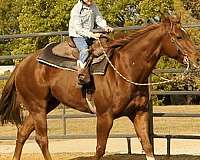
{"x": 64, "y": 116}
{"x": 62, "y": 33}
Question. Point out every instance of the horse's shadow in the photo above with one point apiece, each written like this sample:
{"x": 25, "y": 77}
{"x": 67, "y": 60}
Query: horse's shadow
{"x": 139, "y": 157}
{"x": 113, "y": 157}
{"x": 82, "y": 158}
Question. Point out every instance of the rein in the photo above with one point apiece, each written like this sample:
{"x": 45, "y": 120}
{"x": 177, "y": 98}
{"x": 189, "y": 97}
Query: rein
{"x": 185, "y": 61}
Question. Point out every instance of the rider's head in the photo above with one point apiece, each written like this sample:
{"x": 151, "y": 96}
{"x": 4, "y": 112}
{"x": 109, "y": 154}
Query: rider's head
{"x": 87, "y": 2}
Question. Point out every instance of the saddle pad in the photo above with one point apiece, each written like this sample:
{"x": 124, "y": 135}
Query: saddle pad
{"x": 46, "y": 57}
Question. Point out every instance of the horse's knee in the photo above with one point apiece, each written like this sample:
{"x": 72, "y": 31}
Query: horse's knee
{"x": 42, "y": 141}
{"x": 100, "y": 151}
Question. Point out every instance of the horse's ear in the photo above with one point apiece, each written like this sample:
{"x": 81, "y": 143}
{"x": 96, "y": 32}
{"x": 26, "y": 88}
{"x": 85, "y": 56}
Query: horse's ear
{"x": 162, "y": 16}
{"x": 179, "y": 17}
{"x": 165, "y": 19}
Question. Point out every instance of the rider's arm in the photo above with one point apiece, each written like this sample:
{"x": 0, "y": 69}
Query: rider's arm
{"x": 99, "y": 20}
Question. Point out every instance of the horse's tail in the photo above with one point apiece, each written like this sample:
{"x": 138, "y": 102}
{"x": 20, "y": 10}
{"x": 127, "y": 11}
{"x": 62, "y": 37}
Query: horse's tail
{"x": 9, "y": 109}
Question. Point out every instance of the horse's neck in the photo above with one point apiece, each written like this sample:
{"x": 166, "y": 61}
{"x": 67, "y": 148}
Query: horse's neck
{"x": 139, "y": 56}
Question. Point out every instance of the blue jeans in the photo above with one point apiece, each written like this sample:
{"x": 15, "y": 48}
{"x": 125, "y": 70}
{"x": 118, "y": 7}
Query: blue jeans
{"x": 82, "y": 43}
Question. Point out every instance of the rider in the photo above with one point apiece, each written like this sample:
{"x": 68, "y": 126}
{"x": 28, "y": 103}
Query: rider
{"x": 84, "y": 16}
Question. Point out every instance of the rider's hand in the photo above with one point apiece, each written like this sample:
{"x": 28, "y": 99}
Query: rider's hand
{"x": 108, "y": 29}
{"x": 96, "y": 35}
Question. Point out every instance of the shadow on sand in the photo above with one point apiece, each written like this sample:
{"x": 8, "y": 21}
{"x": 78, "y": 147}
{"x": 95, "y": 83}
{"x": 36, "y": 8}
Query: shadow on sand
{"x": 140, "y": 157}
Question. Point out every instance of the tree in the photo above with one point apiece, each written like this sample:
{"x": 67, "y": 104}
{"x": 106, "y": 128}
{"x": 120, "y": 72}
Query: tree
{"x": 119, "y": 13}
{"x": 9, "y": 11}
{"x": 149, "y": 9}
{"x": 130, "y": 12}
{"x": 42, "y": 16}
{"x": 193, "y": 6}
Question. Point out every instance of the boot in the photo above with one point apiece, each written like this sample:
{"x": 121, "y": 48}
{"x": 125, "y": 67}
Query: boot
{"x": 83, "y": 74}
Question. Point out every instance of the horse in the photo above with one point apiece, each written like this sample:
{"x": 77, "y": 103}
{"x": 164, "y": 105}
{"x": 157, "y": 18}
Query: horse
{"x": 41, "y": 88}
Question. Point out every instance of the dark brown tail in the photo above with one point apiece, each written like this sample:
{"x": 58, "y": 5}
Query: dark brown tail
{"x": 9, "y": 109}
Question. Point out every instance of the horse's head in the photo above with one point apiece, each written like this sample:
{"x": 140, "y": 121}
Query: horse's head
{"x": 176, "y": 42}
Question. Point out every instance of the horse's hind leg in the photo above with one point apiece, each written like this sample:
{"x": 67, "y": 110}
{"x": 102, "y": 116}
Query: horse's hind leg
{"x": 26, "y": 129}
{"x": 39, "y": 124}
{"x": 22, "y": 135}
{"x": 140, "y": 121}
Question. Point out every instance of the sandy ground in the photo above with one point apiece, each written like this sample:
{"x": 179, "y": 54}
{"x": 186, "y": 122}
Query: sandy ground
{"x": 82, "y": 149}
{"x": 114, "y": 146}
{"x": 83, "y": 156}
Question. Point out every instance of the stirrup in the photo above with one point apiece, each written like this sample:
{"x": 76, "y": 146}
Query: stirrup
{"x": 83, "y": 76}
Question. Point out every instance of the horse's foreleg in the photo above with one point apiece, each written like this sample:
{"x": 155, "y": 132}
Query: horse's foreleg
{"x": 22, "y": 134}
{"x": 140, "y": 121}
{"x": 40, "y": 124}
{"x": 104, "y": 124}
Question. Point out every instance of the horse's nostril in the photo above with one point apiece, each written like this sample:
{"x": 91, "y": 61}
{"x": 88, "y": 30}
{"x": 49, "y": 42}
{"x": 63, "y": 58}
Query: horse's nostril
{"x": 198, "y": 61}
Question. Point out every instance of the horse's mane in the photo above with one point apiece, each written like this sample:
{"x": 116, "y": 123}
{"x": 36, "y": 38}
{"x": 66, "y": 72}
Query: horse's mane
{"x": 120, "y": 42}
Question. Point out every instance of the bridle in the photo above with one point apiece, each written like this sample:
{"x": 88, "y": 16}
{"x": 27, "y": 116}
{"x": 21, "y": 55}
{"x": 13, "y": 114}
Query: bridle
{"x": 178, "y": 47}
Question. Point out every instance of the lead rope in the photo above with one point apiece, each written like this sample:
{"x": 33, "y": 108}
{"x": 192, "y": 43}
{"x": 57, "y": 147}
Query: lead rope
{"x": 140, "y": 84}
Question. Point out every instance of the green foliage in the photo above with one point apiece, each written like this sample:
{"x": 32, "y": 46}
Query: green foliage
{"x": 152, "y": 8}
{"x": 42, "y": 16}
{"x": 9, "y": 11}
{"x": 119, "y": 13}
{"x": 193, "y": 6}
{"x": 130, "y": 12}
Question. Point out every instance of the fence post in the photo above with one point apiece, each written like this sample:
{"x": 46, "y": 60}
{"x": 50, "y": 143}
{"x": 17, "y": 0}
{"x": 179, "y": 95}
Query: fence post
{"x": 129, "y": 144}
{"x": 150, "y": 112}
{"x": 168, "y": 145}
{"x": 64, "y": 121}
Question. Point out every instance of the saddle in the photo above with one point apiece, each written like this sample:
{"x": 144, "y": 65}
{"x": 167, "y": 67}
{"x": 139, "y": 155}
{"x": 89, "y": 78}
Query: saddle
{"x": 69, "y": 50}
{"x": 65, "y": 55}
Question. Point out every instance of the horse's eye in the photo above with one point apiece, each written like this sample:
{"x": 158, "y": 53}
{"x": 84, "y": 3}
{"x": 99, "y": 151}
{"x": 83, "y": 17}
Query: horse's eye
{"x": 179, "y": 37}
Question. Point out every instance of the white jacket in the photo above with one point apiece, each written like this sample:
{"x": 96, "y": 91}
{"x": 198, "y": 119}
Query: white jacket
{"x": 83, "y": 19}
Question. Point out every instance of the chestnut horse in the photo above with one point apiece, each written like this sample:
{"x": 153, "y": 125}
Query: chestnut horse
{"x": 40, "y": 88}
